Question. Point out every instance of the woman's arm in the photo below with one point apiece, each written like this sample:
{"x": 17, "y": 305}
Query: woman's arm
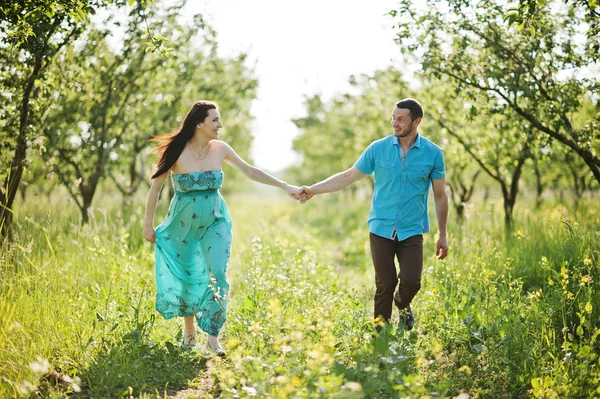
{"x": 256, "y": 174}
{"x": 148, "y": 232}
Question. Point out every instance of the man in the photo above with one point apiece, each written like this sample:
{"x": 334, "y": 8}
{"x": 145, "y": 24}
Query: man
{"x": 405, "y": 165}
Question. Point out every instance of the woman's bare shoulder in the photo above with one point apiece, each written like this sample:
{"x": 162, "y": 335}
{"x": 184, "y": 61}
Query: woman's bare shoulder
{"x": 221, "y": 145}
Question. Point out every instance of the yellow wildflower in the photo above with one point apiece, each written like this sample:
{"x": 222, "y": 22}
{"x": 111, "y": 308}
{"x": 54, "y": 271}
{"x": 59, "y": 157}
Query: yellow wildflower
{"x": 570, "y": 295}
{"x": 587, "y": 279}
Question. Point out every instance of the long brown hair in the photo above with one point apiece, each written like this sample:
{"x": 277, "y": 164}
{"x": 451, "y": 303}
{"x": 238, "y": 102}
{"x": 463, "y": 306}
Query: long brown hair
{"x": 171, "y": 145}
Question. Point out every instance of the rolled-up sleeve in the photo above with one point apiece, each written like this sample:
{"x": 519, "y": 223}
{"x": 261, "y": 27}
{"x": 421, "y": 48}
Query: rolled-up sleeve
{"x": 439, "y": 170}
{"x": 365, "y": 162}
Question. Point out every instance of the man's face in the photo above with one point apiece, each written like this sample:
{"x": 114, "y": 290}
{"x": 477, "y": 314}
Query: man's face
{"x": 401, "y": 122}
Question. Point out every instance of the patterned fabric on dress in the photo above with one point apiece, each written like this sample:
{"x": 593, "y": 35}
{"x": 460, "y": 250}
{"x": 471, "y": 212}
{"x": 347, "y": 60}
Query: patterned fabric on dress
{"x": 193, "y": 245}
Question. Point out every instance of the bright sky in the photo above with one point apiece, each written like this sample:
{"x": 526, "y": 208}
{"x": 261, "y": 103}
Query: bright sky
{"x": 300, "y": 48}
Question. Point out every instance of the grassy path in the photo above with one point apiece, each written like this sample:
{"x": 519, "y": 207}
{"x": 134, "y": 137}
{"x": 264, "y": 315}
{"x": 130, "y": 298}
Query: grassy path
{"x": 499, "y": 319}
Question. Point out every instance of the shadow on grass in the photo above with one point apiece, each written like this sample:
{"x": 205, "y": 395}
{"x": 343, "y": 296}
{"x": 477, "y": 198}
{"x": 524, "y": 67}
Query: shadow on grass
{"x": 135, "y": 368}
{"x": 384, "y": 366}
{"x": 128, "y": 363}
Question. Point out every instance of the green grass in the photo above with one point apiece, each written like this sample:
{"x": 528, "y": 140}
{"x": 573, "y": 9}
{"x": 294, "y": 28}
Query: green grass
{"x": 500, "y": 318}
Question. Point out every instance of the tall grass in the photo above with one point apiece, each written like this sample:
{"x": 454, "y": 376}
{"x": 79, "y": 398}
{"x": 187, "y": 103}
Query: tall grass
{"x": 504, "y": 316}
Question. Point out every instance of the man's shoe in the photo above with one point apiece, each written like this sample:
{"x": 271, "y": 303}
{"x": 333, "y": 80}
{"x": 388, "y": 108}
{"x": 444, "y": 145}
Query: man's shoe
{"x": 406, "y": 319}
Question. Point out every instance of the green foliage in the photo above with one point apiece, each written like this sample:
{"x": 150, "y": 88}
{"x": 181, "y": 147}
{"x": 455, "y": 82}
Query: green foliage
{"x": 540, "y": 80}
{"x": 527, "y": 12}
{"x": 334, "y": 134}
{"x": 110, "y": 102}
{"x": 28, "y": 23}
{"x": 33, "y": 33}
{"x": 487, "y": 135}
{"x": 97, "y": 105}
{"x": 502, "y": 319}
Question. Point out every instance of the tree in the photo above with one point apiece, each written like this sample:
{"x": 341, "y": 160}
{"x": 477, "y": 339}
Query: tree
{"x": 581, "y": 182}
{"x": 103, "y": 90}
{"x": 461, "y": 187}
{"x": 112, "y": 101}
{"x": 540, "y": 79}
{"x": 34, "y": 32}
{"x": 498, "y": 142}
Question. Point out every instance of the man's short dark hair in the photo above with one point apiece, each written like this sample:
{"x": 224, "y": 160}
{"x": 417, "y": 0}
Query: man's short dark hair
{"x": 414, "y": 108}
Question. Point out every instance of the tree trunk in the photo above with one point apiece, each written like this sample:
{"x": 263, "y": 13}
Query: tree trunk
{"x": 510, "y": 196}
{"x": 509, "y": 204}
{"x": 590, "y": 161}
{"x": 13, "y": 179}
{"x": 457, "y": 202}
{"x": 577, "y": 187}
{"x": 486, "y": 194}
{"x": 23, "y": 191}
{"x": 86, "y": 203}
{"x": 84, "y": 215}
{"x": 538, "y": 185}
{"x": 133, "y": 181}
{"x": 460, "y": 212}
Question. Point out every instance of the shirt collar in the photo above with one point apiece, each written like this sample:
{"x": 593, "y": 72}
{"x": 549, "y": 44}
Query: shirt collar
{"x": 417, "y": 142}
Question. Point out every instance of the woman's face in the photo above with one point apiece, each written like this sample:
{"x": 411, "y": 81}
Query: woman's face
{"x": 211, "y": 125}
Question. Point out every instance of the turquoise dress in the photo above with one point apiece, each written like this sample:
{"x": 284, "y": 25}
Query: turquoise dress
{"x": 193, "y": 246}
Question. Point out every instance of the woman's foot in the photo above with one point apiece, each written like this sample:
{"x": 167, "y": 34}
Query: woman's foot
{"x": 213, "y": 346}
{"x": 189, "y": 339}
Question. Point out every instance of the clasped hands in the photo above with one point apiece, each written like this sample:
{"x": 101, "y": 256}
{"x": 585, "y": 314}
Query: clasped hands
{"x": 301, "y": 194}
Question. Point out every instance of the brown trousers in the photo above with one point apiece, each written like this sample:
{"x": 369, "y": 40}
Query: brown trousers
{"x": 409, "y": 253}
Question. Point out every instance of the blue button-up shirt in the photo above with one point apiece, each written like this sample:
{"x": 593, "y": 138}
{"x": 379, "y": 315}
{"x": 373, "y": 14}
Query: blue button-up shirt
{"x": 399, "y": 207}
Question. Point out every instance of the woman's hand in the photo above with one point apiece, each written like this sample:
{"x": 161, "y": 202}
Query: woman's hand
{"x": 148, "y": 233}
{"x": 293, "y": 191}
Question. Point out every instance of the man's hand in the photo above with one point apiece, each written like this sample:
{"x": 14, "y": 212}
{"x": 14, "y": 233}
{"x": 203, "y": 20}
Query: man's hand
{"x": 441, "y": 249}
{"x": 305, "y": 194}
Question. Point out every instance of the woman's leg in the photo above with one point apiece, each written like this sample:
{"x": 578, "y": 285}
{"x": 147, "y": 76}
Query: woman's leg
{"x": 216, "y": 245}
{"x": 189, "y": 331}
{"x": 213, "y": 342}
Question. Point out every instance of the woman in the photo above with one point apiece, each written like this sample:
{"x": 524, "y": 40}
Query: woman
{"x": 193, "y": 242}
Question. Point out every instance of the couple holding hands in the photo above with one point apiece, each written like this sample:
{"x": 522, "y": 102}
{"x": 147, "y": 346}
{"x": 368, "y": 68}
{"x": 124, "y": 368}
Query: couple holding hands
{"x": 193, "y": 243}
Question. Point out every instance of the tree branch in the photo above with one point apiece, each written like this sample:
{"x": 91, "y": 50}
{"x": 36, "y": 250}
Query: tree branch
{"x": 530, "y": 118}
{"x": 467, "y": 148}
{"x": 67, "y": 185}
{"x": 65, "y": 158}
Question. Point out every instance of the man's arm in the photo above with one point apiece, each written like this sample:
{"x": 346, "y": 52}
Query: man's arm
{"x": 441, "y": 212}
{"x": 333, "y": 183}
